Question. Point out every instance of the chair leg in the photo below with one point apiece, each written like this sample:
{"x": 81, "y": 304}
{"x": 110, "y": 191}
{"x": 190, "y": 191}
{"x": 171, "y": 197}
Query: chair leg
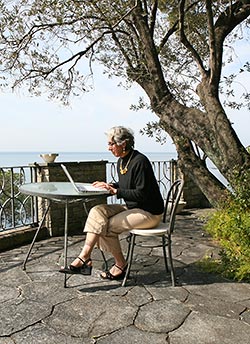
{"x": 129, "y": 245}
{"x": 164, "y": 252}
{"x": 130, "y": 257}
{"x": 172, "y": 272}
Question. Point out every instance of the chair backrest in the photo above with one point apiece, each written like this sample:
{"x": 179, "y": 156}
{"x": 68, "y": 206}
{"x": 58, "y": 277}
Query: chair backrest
{"x": 171, "y": 203}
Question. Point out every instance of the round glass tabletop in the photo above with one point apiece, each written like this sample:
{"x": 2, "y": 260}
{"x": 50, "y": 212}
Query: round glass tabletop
{"x": 61, "y": 190}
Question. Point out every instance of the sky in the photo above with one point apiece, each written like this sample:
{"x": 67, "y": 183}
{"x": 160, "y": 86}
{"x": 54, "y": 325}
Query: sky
{"x": 38, "y": 125}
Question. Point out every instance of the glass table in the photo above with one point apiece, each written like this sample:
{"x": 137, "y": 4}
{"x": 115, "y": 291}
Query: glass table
{"x": 62, "y": 192}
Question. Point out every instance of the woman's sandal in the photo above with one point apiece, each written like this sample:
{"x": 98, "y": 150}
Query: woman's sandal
{"x": 108, "y": 275}
{"x": 84, "y": 269}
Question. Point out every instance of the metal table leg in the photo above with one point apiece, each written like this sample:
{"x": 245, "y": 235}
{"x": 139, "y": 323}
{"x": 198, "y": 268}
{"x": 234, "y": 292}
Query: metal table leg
{"x": 36, "y": 234}
{"x": 66, "y": 240}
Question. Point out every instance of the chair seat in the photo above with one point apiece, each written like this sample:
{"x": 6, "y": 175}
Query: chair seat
{"x": 161, "y": 229}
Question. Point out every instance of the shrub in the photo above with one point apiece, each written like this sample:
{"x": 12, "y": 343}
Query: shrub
{"x": 230, "y": 226}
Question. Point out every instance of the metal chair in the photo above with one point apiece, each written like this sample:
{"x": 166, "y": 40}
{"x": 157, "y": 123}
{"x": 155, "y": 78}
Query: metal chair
{"x": 164, "y": 230}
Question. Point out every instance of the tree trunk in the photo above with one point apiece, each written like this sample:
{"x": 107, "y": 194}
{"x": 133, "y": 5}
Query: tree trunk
{"x": 212, "y": 133}
{"x": 209, "y": 129}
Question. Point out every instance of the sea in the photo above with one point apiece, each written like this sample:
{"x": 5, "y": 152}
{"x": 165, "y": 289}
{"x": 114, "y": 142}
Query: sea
{"x": 13, "y": 159}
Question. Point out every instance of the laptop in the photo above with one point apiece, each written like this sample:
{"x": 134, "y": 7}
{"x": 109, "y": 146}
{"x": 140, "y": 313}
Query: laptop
{"x": 82, "y": 187}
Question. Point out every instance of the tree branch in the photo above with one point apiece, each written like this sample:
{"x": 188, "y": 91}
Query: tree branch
{"x": 76, "y": 57}
{"x": 226, "y": 22}
{"x": 185, "y": 41}
{"x": 215, "y": 56}
{"x": 173, "y": 29}
{"x": 153, "y": 17}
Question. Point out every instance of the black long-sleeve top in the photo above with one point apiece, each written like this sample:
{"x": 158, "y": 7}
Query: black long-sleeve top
{"x": 138, "y": 186}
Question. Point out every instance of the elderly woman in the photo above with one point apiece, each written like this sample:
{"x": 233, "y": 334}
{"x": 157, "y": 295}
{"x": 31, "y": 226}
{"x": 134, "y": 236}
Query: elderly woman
{"x": 143, "y": 206}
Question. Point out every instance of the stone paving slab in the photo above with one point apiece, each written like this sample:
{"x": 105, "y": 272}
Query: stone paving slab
{"x": 20, "y": 313}
{"x": 209, "y": 329}
{"x": 204, "y": 308}
{"x": 161, "y": 316}
{"x": 132, "y": 335}
{"x": 92, "y": 316}
{"x": 40, "y": 333}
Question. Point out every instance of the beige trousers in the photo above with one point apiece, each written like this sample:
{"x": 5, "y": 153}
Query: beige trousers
{"x": 110, "y": 220}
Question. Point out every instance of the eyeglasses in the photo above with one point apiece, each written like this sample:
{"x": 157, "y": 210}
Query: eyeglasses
{"x": 111, "y": 144}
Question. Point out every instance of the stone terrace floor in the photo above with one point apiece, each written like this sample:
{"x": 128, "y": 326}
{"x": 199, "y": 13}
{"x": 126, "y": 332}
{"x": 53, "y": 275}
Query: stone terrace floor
{"x": 203, "y": 309}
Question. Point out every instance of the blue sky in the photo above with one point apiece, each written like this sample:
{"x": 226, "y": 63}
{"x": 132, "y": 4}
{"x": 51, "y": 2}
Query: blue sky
{"x": 37, "y": 124}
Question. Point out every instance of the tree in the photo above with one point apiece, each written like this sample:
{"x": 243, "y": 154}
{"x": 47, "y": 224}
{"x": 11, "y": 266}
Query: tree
{"x": 172, "y": 49}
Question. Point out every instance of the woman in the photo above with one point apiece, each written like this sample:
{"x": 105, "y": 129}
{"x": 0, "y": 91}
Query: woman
{"x": 143, "y": 206}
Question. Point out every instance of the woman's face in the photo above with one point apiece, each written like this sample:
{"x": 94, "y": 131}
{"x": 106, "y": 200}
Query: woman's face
{"x": 117, "y": 150}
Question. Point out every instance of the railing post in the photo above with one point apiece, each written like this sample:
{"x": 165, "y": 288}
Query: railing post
{"x": 173, "y": 171}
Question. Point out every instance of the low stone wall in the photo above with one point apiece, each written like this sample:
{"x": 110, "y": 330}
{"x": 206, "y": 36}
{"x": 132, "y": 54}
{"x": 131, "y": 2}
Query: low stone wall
{"x": 193, "y": 196}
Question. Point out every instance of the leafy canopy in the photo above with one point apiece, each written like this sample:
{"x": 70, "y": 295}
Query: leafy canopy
{"x": 51, "y": 45}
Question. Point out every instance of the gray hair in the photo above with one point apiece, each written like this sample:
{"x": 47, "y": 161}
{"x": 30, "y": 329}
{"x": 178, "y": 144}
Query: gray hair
{"x": 120, "y": 134}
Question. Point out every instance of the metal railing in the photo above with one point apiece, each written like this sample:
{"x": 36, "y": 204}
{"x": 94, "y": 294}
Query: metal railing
{"x": 18, "y": 210}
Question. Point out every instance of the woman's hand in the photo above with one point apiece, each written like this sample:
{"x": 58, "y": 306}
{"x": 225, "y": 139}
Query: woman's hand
{"x": 106, "y": 186}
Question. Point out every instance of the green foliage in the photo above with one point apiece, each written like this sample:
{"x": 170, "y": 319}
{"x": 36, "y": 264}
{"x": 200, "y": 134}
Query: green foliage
{"x": 230, "y": 226}
{"x": 50, "y": 46}
{"x": 154, "y": 129}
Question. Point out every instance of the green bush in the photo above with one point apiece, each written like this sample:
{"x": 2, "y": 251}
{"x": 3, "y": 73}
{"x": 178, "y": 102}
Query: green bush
{"x": 230, "y": 226}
